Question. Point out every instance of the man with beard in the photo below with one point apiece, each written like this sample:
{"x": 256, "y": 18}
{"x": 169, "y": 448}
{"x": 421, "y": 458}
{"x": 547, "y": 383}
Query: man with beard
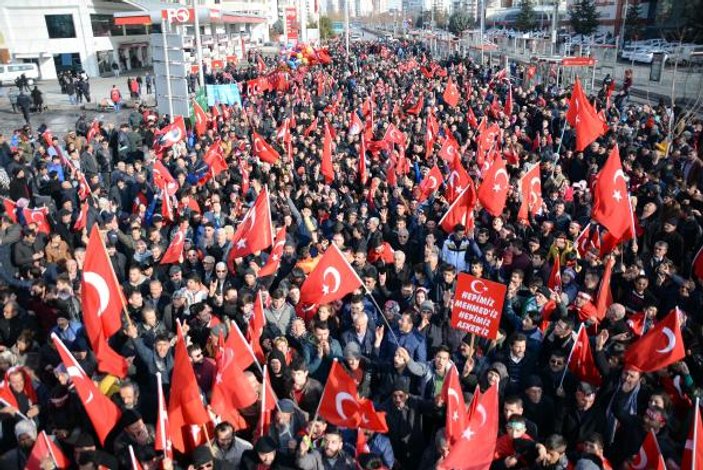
{"x": 332, "y": 455}
{"x": 134, "y": 433}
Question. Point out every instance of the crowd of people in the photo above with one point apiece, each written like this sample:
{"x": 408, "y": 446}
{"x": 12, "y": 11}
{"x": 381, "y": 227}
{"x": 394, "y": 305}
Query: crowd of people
{"x": 398, "y": 355}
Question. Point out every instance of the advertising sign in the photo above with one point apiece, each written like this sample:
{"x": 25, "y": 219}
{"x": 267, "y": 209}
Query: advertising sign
{"x": 291, "y": 24}
{"x": 478, "y": 304}
{"x": 577, "y": 61}
{"x": 178, "y": 15}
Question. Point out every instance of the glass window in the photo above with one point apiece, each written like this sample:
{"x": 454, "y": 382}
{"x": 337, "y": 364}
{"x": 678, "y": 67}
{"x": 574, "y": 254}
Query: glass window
{"x": 135, "y": 29}
{"x": 104, "y": 25}
{"x": 19, "y": 68}
{"x": 60, "y": 26}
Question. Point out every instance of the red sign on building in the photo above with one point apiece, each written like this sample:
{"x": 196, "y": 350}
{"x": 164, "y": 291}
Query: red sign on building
{"x": 478, "y": 305}
{"x": 291, "y": 24}
{"x": 578, "y": 61}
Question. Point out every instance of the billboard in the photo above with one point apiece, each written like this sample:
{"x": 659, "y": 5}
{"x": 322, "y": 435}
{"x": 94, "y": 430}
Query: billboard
{"x": 291, "y": 24}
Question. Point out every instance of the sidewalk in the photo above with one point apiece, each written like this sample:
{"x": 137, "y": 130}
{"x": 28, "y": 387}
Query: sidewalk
{"x": 99, "y": 88}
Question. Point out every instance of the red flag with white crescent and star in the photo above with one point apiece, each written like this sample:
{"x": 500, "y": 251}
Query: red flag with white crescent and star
{"x": 450, "y": 150}
{"x": 274, "y": 259}
{"x": 461, "y": 211}
{"x": 254, "y": 232}
{"x": 100, "y": 290}
{"x": 430, "y": 183}
{"x": 326, "y": 166}
{"x": 457, "y": 181}
{"x": 174, "y": 252}
{"x": 263, "y": 150}
{"x": 339, "y": 404}
{"x": 581, "y": 362}
{"x": 45, "y": 449}
{"x": 356, "y": 125}
{"x": 82, "y": 219}
{"x": 494, "y": 188}
{"x": 659, "y": 347}
{"x": 554, "y": 281}
{"x": 101, "y": 411}
{"x": 649, "y": 457}
{"x": 171, "y": 134}
{"x": 370, "y": 418}
{"x": 531, "y": 192}
{"x": 257, "y": 323}
{"x": 605, "y": 295}
{"x": 475, "y": 450}
{"x": 692, "y": 458}
{"x": 311, "y": 128}
{"x": 451, "y": 94}
{"x": 10, "y": 209}
{"x": 38, "y": 217}
{"x": 201, "y": 119}
{"x": 455, "y": 405}
{"x": 332, "y": 279}
{"x": 611, "y": 203}
{"x": 583, "y": 117}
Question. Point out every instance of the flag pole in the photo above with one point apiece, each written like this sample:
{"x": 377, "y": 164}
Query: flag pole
{"x": 244, "y": 340}
{"x": 322, "y": 396}
{"x": 162, "y": 405}
{"x": 566, "y": 366}
{"x": 18, "y": 412}
{"x": 133, "y": 458}
{"x": 696, "y": 417}
{"x": 51, "y": 451}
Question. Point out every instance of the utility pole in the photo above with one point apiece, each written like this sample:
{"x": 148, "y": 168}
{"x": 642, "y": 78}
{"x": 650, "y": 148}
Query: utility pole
{"x": 198, "y": 44}
{"x": 346, "y": 24}
{"x": 482, "y": 13}
{"x": 626, "y": 7}
{"x": 555, "y": 26}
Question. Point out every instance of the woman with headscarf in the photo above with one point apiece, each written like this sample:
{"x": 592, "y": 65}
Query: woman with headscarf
{"x": 279, "y": 373}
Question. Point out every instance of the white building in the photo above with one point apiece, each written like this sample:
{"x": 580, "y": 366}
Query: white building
{"x": 85, "y": 34}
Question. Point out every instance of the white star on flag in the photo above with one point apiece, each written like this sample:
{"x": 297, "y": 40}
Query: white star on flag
{"x": 617, "y": 196}
{"x": 468, "y": 434}
{"x": 496, "y": 187}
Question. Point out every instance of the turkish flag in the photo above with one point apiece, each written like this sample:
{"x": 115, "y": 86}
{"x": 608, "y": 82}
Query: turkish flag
{"x": 94, "y": 129}
{"x": 611, "y": 204}
{"x": 697, "y": 268}
{"x": 274, "y": 259}
{"x": 311, "y": 128}
{"x": 636, "y": 323}
{"x": 508, "y": 108}
{"x": 430, "y": 183}
{"x": 167, "y": 206}
{"x": 475, "y": 449}
{"x": 10, "y": 209}
{"x": 363, "y": 172}
{"x": 185, "y": 406}
{"x": 457, "y": 181}
{"x": 471, "y": 118}
{"x": 394, "y": 136}
{"x": 581, "y": 362}
{"x": 451, "y": 94}
{"x": 215, "y": 160}
{"x": 82, "y": 219}
{"x": 461, "y": 210}
{"x": 254, "y": 232}
{"x": 236, "y": 341}
{"x": 531, "y": 192}
{"x": 162, "y": 441}
{"x": 431, "y": 133}
{"x": 231, "y": 389}
{"x": 356, "y": 125}
{"x": 44, "y": 448}
{"x": 554, "y": 281}
{"x": 263, "y": 149}
{"x": 661, "y": 346}
{"x": 171, "y": 134}
{"x": 174, "y": 252}
{"x": 332, "y": 279}
{"x": 257, "y": 323}
{"x": 692, "y": 458}
{"x": 588, "y": 239}
{"x": 201, "y": 119}
{"x": 260, "y": 65}
{"x": 370, "y": 418}
{"x": 339, "y": 403}
{"x": 103, "y": 413}
{"x": 100, "y": 291}
{"x": 456, "y": 406}
{"x": 163, "y": 178}
{"x": 605, "y": 296}
{"x": 326, "y": 167}
{"x": 494, "y": 188}
{"x": 583, "y": 117}
{"x": 38, "y": 217}
{"x": 268, "y": 404}
{"x": 649, "y": 456}
{"x": 417, "y": 109}
{"x": 450, "y": 150}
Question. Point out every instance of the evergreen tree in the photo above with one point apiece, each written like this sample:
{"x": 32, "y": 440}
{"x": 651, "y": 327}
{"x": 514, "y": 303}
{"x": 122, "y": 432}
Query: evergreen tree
{"x": 633, "y": 23}
{"x": 584, "y": 17}
{"x": 459, "y": 22}
{"x": 526, "y": 20}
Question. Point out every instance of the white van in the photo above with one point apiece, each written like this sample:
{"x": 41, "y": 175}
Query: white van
{"x": 10, "y": 72}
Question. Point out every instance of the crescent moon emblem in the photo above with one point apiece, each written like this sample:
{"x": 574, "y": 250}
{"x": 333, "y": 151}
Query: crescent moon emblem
{"x": 503, "y": 172}
{"x": 620, "y": 174}
{"x": 258, "y": 145}
{"x": 335, "y": 275}
{"x": 480, "y": 409}
{"x": 671, "y": 341}
{"x": 476, "y": 289}
{"x": 451, "y": 150}
{"x": 33, "y": 217}
{"x": 90, "y": 398}
{"x": 339, "y": 399}
{"x": 640, "y": 461}
{"x": 454, "y": 174}
{"x": 434, "y": 183}
{"x": 178, "y": 238}
{"x": 452, "y": 393}
{"x": 533, "y": 194}
{"x": 99, "y": 284}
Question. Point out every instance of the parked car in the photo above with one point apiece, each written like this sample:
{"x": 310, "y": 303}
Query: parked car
{"x": 10, "y": 72}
